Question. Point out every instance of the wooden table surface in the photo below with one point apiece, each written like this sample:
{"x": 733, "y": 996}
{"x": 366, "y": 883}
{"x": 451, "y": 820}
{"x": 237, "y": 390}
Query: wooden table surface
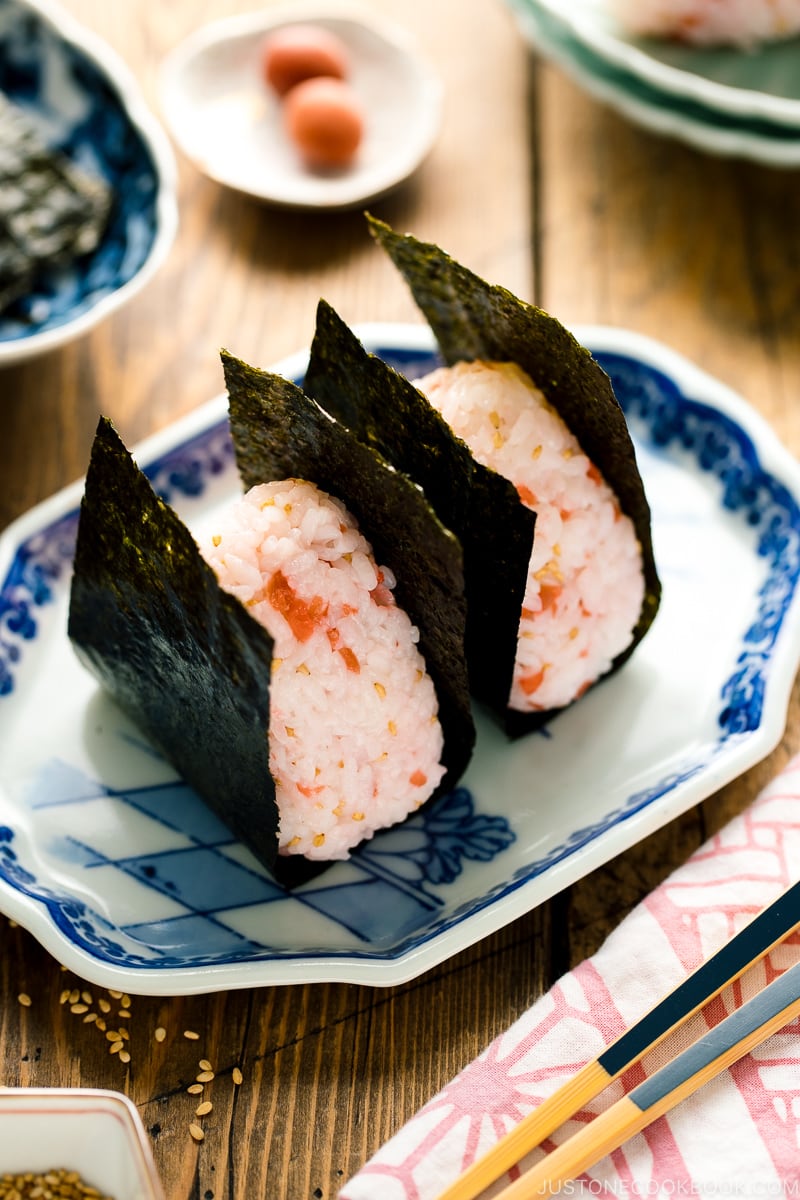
{"x": 534, "y": 186}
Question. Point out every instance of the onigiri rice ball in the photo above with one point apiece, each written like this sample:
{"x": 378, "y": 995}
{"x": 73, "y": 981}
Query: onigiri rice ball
{"x": 585, "y": 583}
{"x": 732, "y": 22}
{"x": 355, "y": 743}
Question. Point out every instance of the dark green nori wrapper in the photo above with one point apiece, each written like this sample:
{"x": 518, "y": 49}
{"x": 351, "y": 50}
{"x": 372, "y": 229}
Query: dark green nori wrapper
{"x": 482, "y": 508}
{"x": 181, "y": 657}
{"x": 51, "y": 210}
{"x": 278, "y": 433}
{"x": 472, "y": 319}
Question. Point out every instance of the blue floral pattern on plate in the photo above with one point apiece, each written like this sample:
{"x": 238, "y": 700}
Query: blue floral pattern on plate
{"x": 141, "y": 878}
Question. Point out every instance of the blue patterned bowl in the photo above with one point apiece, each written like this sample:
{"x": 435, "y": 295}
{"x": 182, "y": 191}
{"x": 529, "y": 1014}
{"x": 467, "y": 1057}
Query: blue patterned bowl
{"x": 89, "y": 105}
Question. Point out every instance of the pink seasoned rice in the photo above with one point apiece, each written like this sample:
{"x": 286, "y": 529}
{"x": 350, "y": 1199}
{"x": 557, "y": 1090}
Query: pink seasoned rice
{"x": 731, "y": 22}
{"x": 585, "y": 582}
{"x": 355, "y": 741}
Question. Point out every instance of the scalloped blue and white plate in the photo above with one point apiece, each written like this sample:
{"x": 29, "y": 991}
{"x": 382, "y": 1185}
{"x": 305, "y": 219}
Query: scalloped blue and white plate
{"x": 119, "y": 870}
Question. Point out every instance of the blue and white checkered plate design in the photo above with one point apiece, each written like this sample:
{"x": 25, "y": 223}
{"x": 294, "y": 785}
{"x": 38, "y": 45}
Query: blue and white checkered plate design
{"x": 124, "y": 875}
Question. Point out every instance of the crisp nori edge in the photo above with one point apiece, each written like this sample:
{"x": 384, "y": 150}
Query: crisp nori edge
{"x": 279, "y": 432}
{"x": 180, "y": 656}
{"x": 482, "y": 508}
{"x": 472, "y": 319}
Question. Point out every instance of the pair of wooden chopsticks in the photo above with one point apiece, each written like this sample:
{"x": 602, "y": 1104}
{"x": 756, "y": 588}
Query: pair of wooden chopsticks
{"x": 772, "y": 1008}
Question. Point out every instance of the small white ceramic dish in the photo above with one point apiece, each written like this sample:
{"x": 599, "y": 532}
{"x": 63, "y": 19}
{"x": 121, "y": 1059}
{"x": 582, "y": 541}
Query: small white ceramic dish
{"x": 229, "y": 123}
{"x": 119, "y": 870}
{"x": 97, "y": 1133}
{"x": 718, "y": 133}
{"x": 757, "y": 82}
{"x": 89, "y": 105}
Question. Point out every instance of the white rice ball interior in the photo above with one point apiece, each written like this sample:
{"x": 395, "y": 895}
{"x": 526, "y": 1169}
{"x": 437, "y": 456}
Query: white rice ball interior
{"x": 585, "y": 583}
{"x": 355, "y": 741}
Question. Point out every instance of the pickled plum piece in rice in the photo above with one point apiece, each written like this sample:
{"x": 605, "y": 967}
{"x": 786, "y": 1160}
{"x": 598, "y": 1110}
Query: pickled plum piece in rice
{"x": 585, "y": 584}
{"x": 355, "y": 742}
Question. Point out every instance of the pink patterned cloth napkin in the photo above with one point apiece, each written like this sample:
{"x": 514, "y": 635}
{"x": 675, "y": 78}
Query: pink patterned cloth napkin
{"x": 737, "y": 1136}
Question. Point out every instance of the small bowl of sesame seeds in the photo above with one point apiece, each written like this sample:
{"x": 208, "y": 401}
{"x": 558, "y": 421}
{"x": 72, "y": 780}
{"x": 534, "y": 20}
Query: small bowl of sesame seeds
{"x": 73, "y": 1144}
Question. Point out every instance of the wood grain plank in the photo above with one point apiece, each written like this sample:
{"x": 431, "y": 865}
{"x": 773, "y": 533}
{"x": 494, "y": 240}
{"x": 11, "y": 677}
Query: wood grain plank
{"x": 687, "y": 248}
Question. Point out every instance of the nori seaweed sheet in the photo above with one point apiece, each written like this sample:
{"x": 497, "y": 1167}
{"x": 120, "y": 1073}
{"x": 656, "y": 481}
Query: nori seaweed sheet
{"x": 279, "y": 432}
{"x": 384, "y": 410}
{"x": 473, "y": 319}
{"x": 51, "y": 210}
{"x": 180, "y": 656}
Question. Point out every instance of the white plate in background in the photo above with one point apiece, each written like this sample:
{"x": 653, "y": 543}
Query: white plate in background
{"x": 228, "y": 122}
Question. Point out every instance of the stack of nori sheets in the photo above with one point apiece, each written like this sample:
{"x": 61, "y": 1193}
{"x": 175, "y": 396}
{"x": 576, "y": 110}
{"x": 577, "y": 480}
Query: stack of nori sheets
{"x": 51, "y": 210}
